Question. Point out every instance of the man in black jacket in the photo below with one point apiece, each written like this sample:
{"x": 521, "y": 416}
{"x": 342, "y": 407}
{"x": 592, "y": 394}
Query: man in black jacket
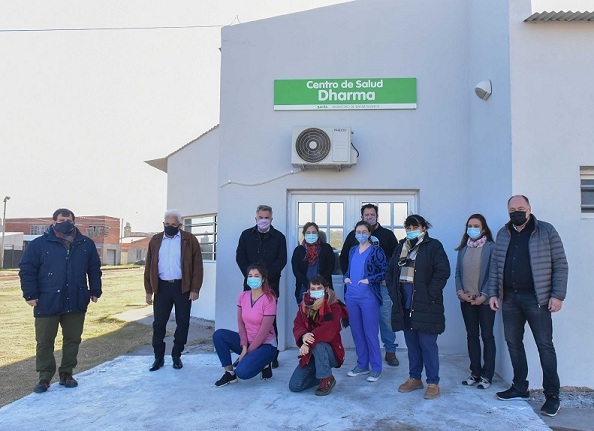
{"x": 267, "y": 246}
{"x": 386, "y": 239}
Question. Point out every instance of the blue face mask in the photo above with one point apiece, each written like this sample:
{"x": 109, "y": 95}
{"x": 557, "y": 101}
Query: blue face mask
{"x": 316, "y": 294}
{"x": 473, "y": 232}
{"x": 413, "y": 234}
{"x": 362, "y": 237}
{"x": 254, "y": 282}
{"x": 64, "y": 227}
{"x": 311, "y": 238}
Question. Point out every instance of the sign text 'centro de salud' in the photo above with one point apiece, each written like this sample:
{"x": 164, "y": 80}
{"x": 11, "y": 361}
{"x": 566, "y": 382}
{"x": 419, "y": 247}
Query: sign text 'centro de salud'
{"x": 352, "y": 93}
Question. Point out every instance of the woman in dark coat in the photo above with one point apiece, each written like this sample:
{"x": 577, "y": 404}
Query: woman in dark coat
{"x": 416, "y": 275}
{"x": 311, "y": 257}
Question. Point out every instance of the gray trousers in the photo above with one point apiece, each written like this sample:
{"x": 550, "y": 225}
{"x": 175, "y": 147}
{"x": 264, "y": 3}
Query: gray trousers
{"x": 318, "y": 368}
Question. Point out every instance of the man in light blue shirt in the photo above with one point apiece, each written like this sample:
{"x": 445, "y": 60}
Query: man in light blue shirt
{"x": 173, "y": 274}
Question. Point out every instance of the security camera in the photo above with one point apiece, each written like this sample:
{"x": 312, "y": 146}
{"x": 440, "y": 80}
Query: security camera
{"x": 483, "y": 90}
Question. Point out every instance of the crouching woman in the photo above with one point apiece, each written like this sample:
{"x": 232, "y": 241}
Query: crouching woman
{"x": 317, "y": 333}
{"x": 255, "y": 343}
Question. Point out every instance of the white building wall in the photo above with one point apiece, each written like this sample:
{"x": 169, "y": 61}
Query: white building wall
{"x": 192, "y": 186}
{"x": 425, "y": 149}
{"x": 552, "y": 106}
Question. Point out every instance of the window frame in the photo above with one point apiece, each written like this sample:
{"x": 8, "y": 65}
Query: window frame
{"x": 189, "y": 222}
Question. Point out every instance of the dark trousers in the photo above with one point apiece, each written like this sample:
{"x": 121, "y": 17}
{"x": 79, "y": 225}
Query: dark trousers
{"x": 319, "y": 367}
{"x": 46, "y": 329}
{"x": 169, "y": 295}
{"x": 480, "y": 318}
{"x": 422, "y": 351}
{"x": 518, "y": 308}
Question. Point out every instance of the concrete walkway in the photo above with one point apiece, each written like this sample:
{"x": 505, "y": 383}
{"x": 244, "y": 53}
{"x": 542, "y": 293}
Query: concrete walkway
{"x": 123, "y": 394}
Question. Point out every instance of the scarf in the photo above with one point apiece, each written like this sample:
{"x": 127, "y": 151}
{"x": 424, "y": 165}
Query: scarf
{"x": 67, "y": 239}
{"x": 316, "y": 310}
{"x": 312, "y": 252}
{"x": 478, "y": 243}
{"x": 408, "y": 254}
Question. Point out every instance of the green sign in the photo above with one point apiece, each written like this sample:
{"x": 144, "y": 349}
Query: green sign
{"x": 356, "y": 93}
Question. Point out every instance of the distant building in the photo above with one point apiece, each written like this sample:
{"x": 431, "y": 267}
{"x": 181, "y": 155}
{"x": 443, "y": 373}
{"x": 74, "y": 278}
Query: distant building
{"x": 103, "y": 230}
{"x": 134, "y": 249}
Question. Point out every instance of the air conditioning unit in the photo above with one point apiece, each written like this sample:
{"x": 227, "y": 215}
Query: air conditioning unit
{"x": 322, "y": 147}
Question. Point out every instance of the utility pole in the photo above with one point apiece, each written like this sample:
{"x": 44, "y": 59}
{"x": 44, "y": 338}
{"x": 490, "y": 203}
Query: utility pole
{"x": 6, "y": 198}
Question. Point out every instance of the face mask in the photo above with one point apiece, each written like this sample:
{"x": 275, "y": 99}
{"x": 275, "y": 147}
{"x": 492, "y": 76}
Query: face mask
{"x": 413, "y": 234}
{"x": 263, "y": 224}
{"x": 518, "y": 218}
{"x": 473, "y": 232}
{"x": 316, "y": 294}
{"x": 64, "y": 227}
{"x": 311, "y": 238}
{"x": 362, "y": 237}
{"x": 171, "y": 230}
{"x": 372, "y": 220}
{"x": 254, "y": 282}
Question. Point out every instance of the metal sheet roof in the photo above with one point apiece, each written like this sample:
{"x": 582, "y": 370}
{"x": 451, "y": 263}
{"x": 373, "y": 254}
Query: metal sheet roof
{"x": 561, "y": 17}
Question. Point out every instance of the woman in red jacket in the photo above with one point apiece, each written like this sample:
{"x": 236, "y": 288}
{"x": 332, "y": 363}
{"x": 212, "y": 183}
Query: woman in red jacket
{"x": 317, "y": 333}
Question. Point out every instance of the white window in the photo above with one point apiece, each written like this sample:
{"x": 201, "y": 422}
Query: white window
{"x": 38, "y": 229}
{"x": 587, "y": 189}
{"x": 204, "y": 228}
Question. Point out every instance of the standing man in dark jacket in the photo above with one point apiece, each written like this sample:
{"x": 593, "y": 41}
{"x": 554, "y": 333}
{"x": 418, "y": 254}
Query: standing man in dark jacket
{"x": 173, "y": 274}
{"x": 54, "y": 271}
{"x": 387, "y": 241}
{"x": 264, "y": 245}
{"x": 529, "y": 275}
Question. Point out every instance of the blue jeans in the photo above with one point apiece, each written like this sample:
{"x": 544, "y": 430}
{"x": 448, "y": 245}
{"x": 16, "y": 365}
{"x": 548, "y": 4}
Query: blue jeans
{"x": 387, "y": 334}
{"x": 422, "y": 351}
{"x": 518, "y": 308}
{"x": 226, "y": 341}
{"x": 318, "y": 368}
{"x": 475, "y": 317}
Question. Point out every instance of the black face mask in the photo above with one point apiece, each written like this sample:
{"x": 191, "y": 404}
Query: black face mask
{"x": 171, "y": 230}
{"x": 64, "y": 227}
{"x": 518, "y": 218}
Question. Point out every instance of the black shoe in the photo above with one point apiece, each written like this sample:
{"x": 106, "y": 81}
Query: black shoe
{"x": 551, "y": 406}
{"x": 227, "y": 378}
{"x": 512, "y": 394}
{"x": 159, "y": 362}
{"x": 177, "y": 363}
{"x": 41, "y": 387}
{"x": 275, "y": 363}
{"x": 67, "y": 380}
{"x": 267, "y": 372}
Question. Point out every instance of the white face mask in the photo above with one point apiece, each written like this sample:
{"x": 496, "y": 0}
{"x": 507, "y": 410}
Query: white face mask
{"x": 316, "y": 294}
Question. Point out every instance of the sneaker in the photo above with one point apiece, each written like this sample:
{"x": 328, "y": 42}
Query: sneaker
{"x": 391, "y": 359}
{"x": 374, "y": 376}
{"x": 357, "y": 372}
{"x": 551, "y": 406}
{"x": 41, "y": 387}
{"x": 326, "y": 385}
{"x": 471, "y": 380}
{"x": 512, "y": 394}
{"x": 67, "y": 380}
{"x": 275, "y": 363}
{"x": 226, "y": 379}
{"x": 432, "y": 391}
{"x": 484, "y": 384}
{"x": 410, "y": 385}
{"x": 266, "y": 372}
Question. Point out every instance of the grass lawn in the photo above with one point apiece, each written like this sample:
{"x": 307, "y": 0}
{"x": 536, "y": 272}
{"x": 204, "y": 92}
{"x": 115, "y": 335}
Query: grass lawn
{"x": 104, "y": 337}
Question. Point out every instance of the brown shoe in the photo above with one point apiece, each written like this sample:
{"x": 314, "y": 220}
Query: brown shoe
{"x": 326, "y": 385}
{"x": 67, "y": 380}
{"x": 391, "y": 359}
{"x": 432, "y": 391}
{"x": 41, "y": 387}
{"x": 410, "y": 385}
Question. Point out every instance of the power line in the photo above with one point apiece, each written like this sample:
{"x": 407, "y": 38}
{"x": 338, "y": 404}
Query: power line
{"x": 157, "y": 27}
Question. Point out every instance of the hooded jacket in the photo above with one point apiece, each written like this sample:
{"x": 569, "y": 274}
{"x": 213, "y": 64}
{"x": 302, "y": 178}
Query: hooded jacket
{"x": 61, "y": 279}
